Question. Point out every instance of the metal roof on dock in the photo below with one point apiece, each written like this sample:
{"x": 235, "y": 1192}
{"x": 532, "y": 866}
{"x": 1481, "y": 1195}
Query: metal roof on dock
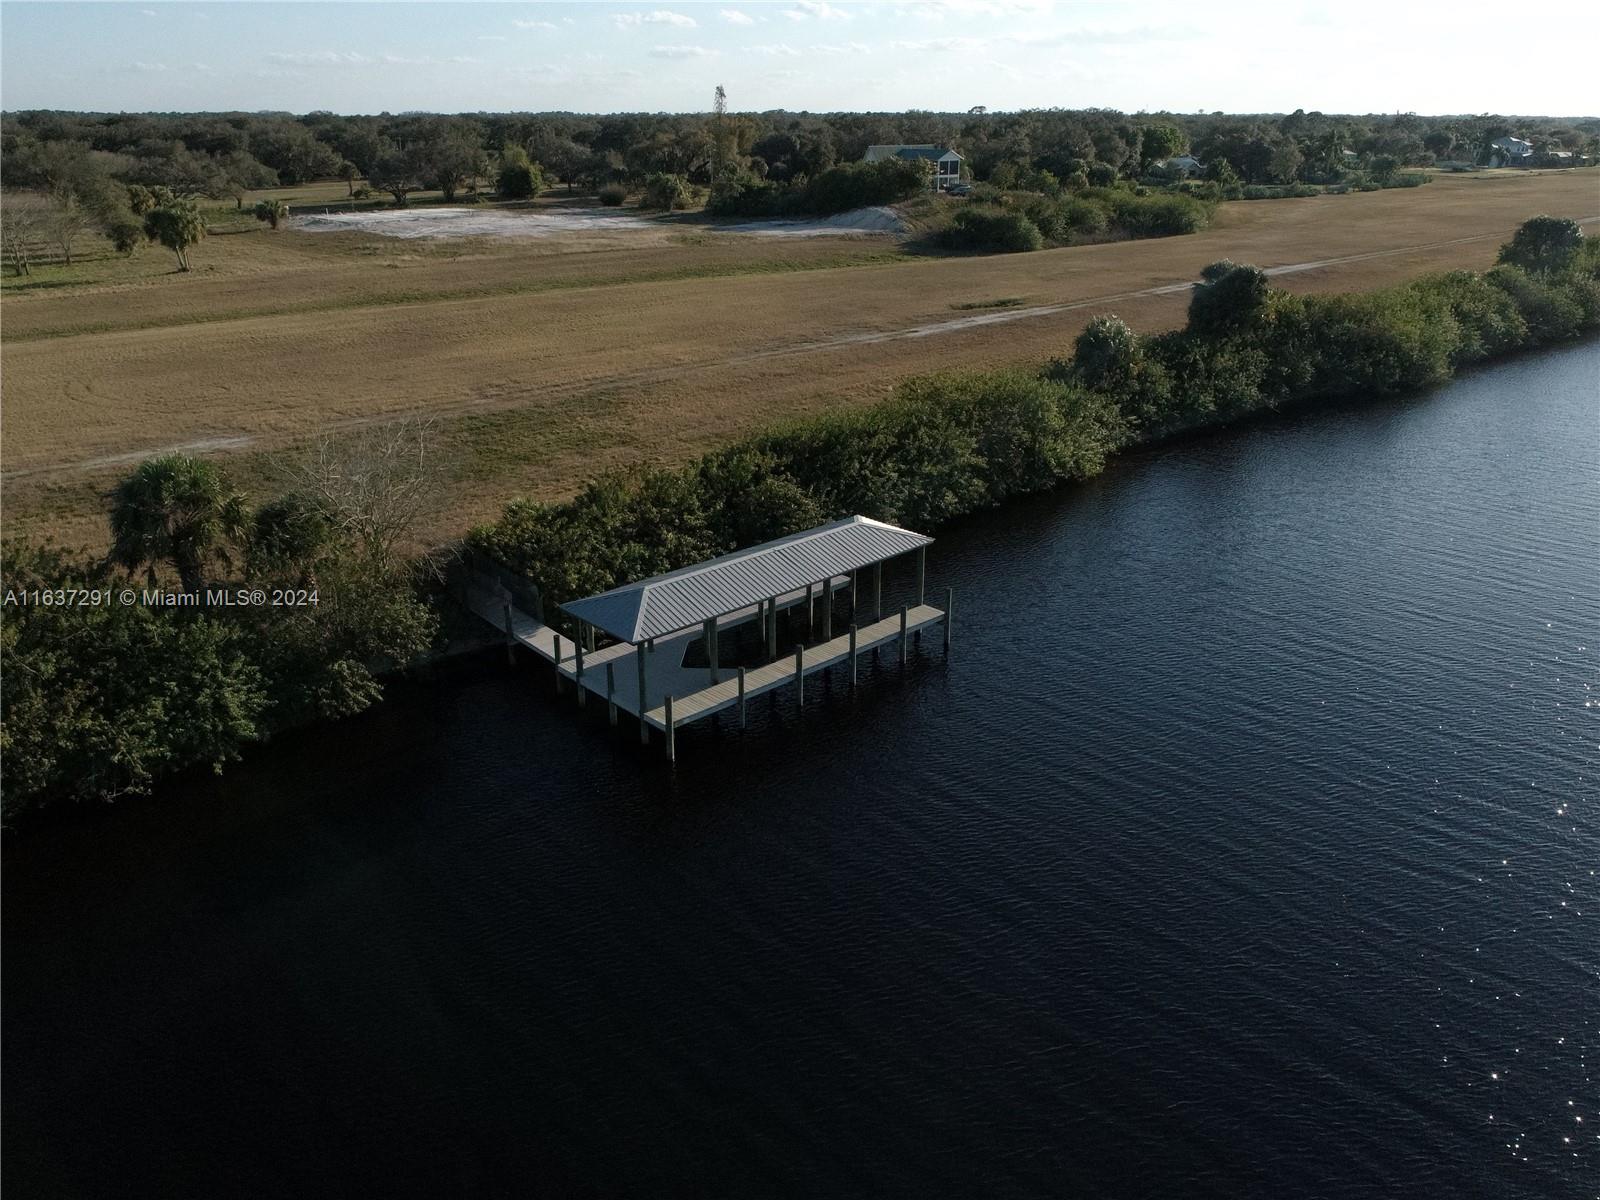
{"x": 684, "y": 598}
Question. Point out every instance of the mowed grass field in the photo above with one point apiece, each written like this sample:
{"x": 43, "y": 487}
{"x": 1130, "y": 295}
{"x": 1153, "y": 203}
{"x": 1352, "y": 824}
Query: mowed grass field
{"x": 547, "y": 361}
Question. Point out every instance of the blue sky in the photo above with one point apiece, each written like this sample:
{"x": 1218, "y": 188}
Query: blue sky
{"x": 797, "y": 54}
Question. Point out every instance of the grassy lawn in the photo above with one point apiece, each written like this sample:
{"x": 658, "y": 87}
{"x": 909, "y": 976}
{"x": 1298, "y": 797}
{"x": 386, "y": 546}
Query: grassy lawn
{"x": 547, "y": 361}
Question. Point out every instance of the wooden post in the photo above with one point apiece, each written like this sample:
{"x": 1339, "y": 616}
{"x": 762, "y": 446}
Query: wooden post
{"x": 611, "y": 692}
{"x": 511, "y": 638}
{"x": 852, "y": 654}
{"x": 577, "y": 672}
{"x": 644, "y": 729}
{"x": 800, "y": 675}
{"x": 709, "y": 636}
{"x": 672, "y": 741}
{"x": 922, "y": 574}
{"x": 949, "y": 603}
{"x": 811, "y": 614}
{"x": 558, "y": 663}
{"x": 827, "y": 610}
{"x": 588, "y": 637}
{"x": 772, "y": 629}
{"x": 877, "y": 591}
{"x": 538, "y": 604}
{"x": 855, "y": 593}
{"x": 744, "y": 716}
{"x": 903, "y": 615}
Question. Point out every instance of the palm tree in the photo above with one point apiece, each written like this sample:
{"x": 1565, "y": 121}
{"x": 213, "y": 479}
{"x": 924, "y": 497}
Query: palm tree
{"x": 175, "y": 509}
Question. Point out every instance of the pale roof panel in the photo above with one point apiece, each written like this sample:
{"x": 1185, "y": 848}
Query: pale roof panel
{"x": 682, "y": 599}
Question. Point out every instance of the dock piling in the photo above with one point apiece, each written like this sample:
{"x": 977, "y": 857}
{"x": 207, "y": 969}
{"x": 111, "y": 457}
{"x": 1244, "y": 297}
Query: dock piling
{"x": 558, "y": 663}
{"x": 772, "y": 629}
{"x": 949, "y": 605}
{"x": 672, "y": 741}
{"x": 827, "y": 610}
{"x": 577, "y": 672}
{"x": 922, "y": 574}
{"x": 852, "y": 653}
{"x": 877, "y": 591}
{"x": 904, "y": 617}
{"x": 644, "y": 726}
{"x": 800, "y": 676}
{"x": 611, "y": 693}
{"x": 744, "y": 712}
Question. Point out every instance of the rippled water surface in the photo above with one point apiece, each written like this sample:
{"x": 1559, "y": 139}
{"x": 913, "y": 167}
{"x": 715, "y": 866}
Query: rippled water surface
{"x": 1244, "y": 846}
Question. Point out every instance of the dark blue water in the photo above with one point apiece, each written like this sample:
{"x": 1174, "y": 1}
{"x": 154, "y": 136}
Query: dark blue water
{"x": 1244, "y": 846}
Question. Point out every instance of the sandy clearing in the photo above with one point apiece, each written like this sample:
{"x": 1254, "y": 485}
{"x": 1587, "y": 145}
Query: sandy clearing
{"x": 446, "y": 223}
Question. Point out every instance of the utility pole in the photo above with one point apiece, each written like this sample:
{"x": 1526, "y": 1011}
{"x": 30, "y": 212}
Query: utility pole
{"x": 719, "y": 110}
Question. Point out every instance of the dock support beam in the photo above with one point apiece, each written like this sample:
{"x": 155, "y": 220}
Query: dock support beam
{"x": 855, "y": 593}
{"x": 877, "y": 591}
{"x": 949, "y": 606}
{"x": 772, "y": 629}
{"x": 904, "y": 615}
{"x": 644, "y": 727}
{"x": 611, "y": 692}
{"x": 711, "y": 647}
{"x": 744, "y": 711}
{"x": 811, "y": 612}
{"x": 558, "y": 663}
{"x": 577, "y": 672}
{"x": 672, "y": 741}
{"x": 852, "y": 654}
{"x": 922, "y": 574}
{"x": 800, "y": 676}
{"x": 827, "y": 610}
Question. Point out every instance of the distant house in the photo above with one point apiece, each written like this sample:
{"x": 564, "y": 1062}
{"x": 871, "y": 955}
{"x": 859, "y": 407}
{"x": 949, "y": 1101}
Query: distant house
{"x": 946, "y": 162}
{"x": 1181, "y": 164}
{"x": 1510, "y": 152}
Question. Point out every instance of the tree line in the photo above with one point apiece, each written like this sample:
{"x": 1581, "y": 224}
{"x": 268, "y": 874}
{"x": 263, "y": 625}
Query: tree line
{"x": 225, "y": 154}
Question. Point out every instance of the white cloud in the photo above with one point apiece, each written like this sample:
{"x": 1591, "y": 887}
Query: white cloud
{"x": 660, "y": 16}
{"x": 940, "y": 45}
{"x": 734, "y": 17}
{"x": 804, "y": 10}
{"x": 149, "y": 12}
{"x": 351, "y": 58}
{"x": 681, "y": 52}
{"x": 776, "y": 50}
{"x": 148, "y": 66}
{"x": 490, "y": 37}
{"x": 534, "y": 24}
{"x": 321, "y": 58}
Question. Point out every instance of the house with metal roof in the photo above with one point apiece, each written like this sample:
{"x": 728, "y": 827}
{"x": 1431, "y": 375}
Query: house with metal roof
{"x": 946, "y": 162}
{"x": 654, "y": 649}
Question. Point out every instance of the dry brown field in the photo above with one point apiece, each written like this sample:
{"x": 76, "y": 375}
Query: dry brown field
{"x": 549, "y": 361}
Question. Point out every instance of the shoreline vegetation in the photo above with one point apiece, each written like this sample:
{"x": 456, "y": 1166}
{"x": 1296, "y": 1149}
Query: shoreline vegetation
{"x": 104, "y": 698}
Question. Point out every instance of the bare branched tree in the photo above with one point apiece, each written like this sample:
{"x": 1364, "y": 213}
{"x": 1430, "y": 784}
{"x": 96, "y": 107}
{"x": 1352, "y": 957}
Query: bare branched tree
{"x": 375, "y": 485}
{"x": 68, "y": 219}
{"x": 20, "y": 228}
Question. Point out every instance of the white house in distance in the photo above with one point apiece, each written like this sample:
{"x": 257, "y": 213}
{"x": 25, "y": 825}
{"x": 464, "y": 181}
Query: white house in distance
{"x": 946, "y": 162}
{"x": 1510, "y": 152}
{"x": 1184, "y": 165}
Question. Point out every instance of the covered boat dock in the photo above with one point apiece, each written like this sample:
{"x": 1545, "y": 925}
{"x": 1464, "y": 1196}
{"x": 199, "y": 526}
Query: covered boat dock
{"x": 691, "y": 643}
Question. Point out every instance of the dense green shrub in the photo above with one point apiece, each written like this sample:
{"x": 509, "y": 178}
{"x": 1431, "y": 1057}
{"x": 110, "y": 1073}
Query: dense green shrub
{"x": 992, "y": 231}
{"x": 613, "y": 194}
{"x": 1228, "y": 297}
{"x": 666, "y": 191}
{"x": 519, "y": 178}
{"x": 1551, "y": 311}
{"x": 99, "y": 700}
{"x": 1543, "y": 245}
{"x": 836, "y": 190}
